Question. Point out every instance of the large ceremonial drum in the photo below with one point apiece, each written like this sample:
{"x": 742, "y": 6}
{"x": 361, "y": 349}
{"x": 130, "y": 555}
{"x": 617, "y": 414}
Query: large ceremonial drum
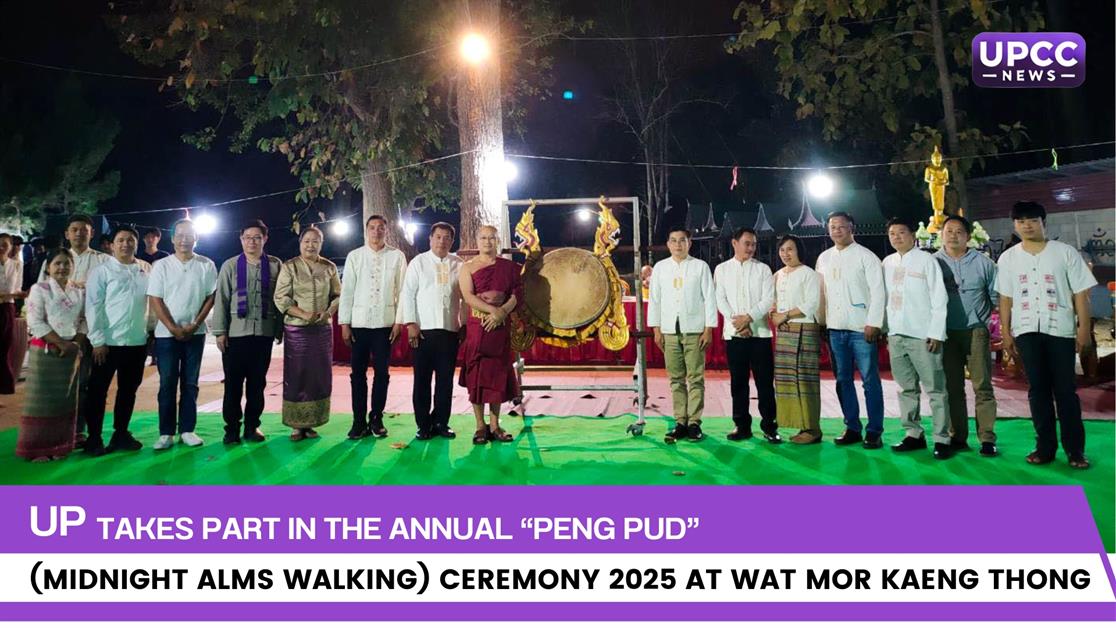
{"x": 568, "y": 288}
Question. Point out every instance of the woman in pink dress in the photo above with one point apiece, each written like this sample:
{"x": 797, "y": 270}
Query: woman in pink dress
{"x": 490, "y": 287}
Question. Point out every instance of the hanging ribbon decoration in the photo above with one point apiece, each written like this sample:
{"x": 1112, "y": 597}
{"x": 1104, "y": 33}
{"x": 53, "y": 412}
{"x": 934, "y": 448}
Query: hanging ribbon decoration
{"x": 735, "y": 172}
{"x": 1054, "y": 154}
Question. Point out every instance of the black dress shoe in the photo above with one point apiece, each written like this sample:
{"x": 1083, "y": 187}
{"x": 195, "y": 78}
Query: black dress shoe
{"x": 911, "y": 444}
{"x": 773, "y": 437}
{"x": 739, "y": 433}
{"x": 94, "y": 446}
{"x": 376, "y": 429}
{"x": 959, "y": 445}
{"x": 679, "y": 432}
{"x": 873, "y": 441}
{"x": 123, "y": 442}
{"x": 694, "y": 433}
{"x": 255, "y": 436}
{"x": 989, "y": 449}
{"x": 445, "y": 431}
{"x": 941, "y": 451}
{"x": 848, "y": 438}
{"x": 231, "y": 439}
{"x": 423, "y": 435}
{"x": 358, "y": 431}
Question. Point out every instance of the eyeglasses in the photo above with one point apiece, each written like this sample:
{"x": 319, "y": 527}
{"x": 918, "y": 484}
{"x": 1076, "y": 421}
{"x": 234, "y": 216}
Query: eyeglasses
{"x": 251, "y": 238}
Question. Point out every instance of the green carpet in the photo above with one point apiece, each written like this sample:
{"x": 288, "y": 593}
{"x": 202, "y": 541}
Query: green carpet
{"x": 567, "y": 451}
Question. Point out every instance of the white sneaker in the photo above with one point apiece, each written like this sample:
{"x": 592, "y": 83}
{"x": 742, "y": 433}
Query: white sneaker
{"x": 191, "y": 439}
{"x": 164, "y": 442}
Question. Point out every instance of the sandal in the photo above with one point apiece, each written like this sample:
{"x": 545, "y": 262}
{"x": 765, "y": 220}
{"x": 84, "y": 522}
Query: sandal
{"x": 500, "y": 435}
{"x": 480, "y": 437}
{"x": 309, "y": 433}
{"x": 1079, "y": 462}
{"x": 297, "y": 435}
{"x": 1036, "y": 458}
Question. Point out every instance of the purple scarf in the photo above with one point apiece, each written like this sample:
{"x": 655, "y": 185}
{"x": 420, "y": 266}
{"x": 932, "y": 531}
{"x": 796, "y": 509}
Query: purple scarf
{"x": 242, "y": 284}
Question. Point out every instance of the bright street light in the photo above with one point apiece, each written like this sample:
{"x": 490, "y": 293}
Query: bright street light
{"x": 340, "y": 228}
{"x": 475, "y": 49}
{"x": 205, "y": 224}
{"x": 819, "y": 185}
{"x": 511, "y": 171}
{"x": 584, "y": 214}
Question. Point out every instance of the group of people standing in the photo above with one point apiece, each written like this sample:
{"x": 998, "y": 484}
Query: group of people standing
{"x": 92, "y": 317}
{"x": 933, "y": 310}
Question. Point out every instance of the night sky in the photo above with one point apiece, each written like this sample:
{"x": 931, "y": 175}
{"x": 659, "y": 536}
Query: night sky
{"x": 159, "y": 170}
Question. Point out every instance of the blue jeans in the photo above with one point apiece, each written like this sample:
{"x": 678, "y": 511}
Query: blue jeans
{"x": 849, "y": 349}
{"x": 179, "y": 362}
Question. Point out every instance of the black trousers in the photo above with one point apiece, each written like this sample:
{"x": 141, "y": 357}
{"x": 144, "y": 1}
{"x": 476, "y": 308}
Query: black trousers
{"x": 374, "y": 343}
{"x": 126, "y": 363}
{"x": 1048, "y": 362}
{"x": 435, "y": 355}
{"x": 752, "y": 357}
{"x": 245, "y": 361}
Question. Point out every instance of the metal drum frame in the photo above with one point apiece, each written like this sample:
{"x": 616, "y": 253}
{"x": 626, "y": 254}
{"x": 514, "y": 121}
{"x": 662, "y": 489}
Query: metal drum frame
{"x": 639, "y": 386}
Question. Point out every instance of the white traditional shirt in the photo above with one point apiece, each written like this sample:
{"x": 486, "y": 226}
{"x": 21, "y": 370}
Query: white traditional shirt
{"x": 183, "y": 287}
{"x": 83, "y": 265}
{"x": 682, "y": 293}
{"x": 11, "y": 278}
{"x": 1042, "y": 286}
{"x": 744, "y": 288}
{"x": 116, "y": 307}
{"x": 370, "y": 285}
{"x": 852, "y": 280}
{"x": 50, "y": 307}
{"x": 917, "y": 302}
{"x": 431, "y": 296}
{"x": 798, "y": 289}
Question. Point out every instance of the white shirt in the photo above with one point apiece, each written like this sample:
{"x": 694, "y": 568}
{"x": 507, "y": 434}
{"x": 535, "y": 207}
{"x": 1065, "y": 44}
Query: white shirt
{"x": 798, "y": 289}
{"x": 682, "y": 292}
{"x": 852, "y": 280}
{"x": 744, "y": 288}
{"x": 11, "y": 278}
{"x": 431, "y": 296}
{"x": 183, "y": 287}
{"x": 370, "y": 286}
{"x": 1042, "y": 286}
{"x": 83, "y": 265}
{"x": 116, "y": 307}
{"x": 50, "y": 307}
{"x": 917, "y": 302}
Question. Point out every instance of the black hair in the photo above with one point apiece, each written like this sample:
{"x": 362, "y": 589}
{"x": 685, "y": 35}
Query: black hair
{"x": 741, "y": 231}
{"x": 55, "y": 252}
{"x": 152, "y": 230}
{"x": 444, "y": 226}
{"x": 122, "y": 229}
{"x": 968, "y": 226}
{"x": 797, "y": 246}
{"x": 375, "y": 217}
{"x": 82, "y": 218}
{"x": 306, "y": 230}
{"x": 1028, "y": 209}
{"x": 895, "y": 220}
{"x": 254, "y": 224}
{"x": 677, "y": 229}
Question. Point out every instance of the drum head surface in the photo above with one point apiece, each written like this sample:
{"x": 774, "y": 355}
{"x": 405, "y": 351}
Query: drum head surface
{"x": 568, "y": 289}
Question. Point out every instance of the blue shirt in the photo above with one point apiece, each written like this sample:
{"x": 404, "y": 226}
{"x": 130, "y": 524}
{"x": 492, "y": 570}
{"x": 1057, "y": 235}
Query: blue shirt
{"x": 971, "y": 286}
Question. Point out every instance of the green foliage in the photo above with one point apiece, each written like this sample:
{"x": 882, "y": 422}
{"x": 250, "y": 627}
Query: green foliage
{"x": 51, "y": 156}
{"x": 865, "y": 68}
{"x": 333, "y": 96}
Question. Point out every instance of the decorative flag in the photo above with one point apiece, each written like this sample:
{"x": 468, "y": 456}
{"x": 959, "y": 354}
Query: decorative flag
{"x": 1054, "y": 154}
{"x": 735, "y": 172}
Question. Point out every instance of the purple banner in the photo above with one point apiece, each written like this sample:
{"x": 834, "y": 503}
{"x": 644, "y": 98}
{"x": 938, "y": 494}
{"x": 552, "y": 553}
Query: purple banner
{"x": 714, "y": 519}
{"x": 1028, "y": 60}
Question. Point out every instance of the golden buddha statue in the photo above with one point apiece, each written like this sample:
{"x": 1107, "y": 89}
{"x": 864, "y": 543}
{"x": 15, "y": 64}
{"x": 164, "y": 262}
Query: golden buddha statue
{"x": 937, "y": 176}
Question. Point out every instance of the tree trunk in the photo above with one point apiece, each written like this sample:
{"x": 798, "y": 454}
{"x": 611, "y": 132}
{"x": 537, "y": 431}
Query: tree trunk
{"x": 378, "y": 200}
{"x": 952, "y": 137}
{"x": 480, "y": 122}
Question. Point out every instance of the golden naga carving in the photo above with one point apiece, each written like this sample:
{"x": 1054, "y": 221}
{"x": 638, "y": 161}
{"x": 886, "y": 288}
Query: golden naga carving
{"x": 937, "y": 178}
{"x": 571, "y": 295}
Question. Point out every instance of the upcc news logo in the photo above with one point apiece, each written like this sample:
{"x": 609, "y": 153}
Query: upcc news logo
{"x": 1028, "y": 60}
